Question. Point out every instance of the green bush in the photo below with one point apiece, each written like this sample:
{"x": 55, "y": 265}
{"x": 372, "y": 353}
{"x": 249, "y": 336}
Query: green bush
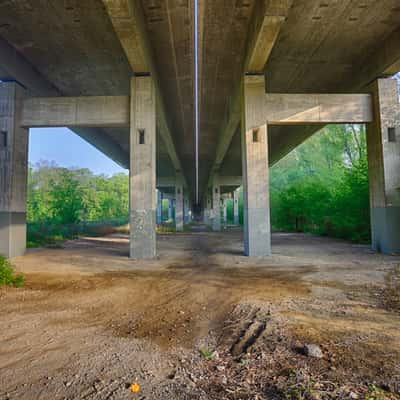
{"x": 7, "y": 275}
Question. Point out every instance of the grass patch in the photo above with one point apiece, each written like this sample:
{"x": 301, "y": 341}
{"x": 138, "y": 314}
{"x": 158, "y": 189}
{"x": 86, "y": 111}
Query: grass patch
{"x": 7, "y": 275}
{"x": 206, "y": 352}
{"x": 166, "y": 228}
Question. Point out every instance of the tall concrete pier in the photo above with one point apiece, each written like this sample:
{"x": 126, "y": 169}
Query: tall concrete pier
{"x": 121, "y": 74}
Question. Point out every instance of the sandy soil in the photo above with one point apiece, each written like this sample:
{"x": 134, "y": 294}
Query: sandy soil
{"x": 90, "y": 321}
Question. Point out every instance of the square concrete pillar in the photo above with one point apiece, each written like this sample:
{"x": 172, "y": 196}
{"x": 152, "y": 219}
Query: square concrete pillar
{"x": 236, "y": 207}
{"x": 383, "y": 141}
{"x": 159, "y": 206}
{"x": 255, "y": 167}
{"x": 179, "y": 204}
{"x": 170, "y": 207}
{"x": 143, "y": 168}
{"x": 186, "y": 207}
{"x": 207, "y": 209}
{"x": 216, "y": 207}
{"x": 224, "y": 211}
{"x": 13, "y": 171}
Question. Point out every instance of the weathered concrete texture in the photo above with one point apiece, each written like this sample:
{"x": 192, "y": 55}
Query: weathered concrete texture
{"x": 207, "y": 211}
{"x": 383, "y": 140}
{"x": 92, "y": 111}
{"x": 179, "y": 204}
{"x": 216, "y": 207}
{"x": 257, "y": 229}
{"x": 385, "y": 226}
{"x": 13, "y": 171}
{"x": 143, "y": 168}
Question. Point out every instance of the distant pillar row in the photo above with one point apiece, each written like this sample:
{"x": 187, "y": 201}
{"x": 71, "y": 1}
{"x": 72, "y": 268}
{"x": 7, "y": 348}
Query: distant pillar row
{"x": 13, "y": 171}
{"x": 383, "y": 141}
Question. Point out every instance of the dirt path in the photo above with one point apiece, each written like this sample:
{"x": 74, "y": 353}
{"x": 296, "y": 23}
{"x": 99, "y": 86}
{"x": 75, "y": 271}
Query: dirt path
{"x": 89, "y": 321}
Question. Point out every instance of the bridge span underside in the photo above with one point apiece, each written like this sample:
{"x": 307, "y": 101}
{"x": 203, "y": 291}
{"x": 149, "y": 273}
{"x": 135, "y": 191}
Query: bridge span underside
{"x": 121, "y": 74}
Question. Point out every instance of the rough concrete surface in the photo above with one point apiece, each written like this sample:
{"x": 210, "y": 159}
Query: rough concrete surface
{"x": 90, "y": 321}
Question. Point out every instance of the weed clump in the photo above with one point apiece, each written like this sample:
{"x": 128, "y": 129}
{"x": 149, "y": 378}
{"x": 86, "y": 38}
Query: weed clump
{"x": 8, "y": 276}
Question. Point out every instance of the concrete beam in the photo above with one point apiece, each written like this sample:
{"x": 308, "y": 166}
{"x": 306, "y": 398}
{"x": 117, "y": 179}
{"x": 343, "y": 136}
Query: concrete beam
{"x": 16, "y": 67}
{"x": 384, "y": 62}
{"x": 229, "y": 180}
{"x": 267, "y": 19}
{"x": 93, "y": 111}
{"x": 21, "y": 70}
{"x": 164, "y": 182}
{"x": 306, "y": 109}
{"x": 128, "y": 19}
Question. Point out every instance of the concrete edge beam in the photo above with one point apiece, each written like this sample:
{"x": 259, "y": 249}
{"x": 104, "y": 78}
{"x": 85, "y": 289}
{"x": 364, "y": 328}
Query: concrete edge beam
{"x": 93, "y": 111}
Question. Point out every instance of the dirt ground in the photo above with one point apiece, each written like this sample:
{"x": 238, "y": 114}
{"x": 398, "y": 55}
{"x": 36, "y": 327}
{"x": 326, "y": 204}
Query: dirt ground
{"x": 202, "y": 321}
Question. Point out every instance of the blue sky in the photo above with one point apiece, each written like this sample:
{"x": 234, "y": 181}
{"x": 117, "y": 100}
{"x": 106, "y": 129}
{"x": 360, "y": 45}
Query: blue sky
{"x": 68, "y": 150}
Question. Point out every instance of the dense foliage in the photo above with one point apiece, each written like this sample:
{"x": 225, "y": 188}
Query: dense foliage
{"x": 322, "y": 186}
{"x": 65, "y": 203}
{"x": 7, "y": 275}
{"x": 67, "y": 196}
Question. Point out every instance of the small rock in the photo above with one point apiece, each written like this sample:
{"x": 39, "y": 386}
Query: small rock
{"x": 313, "y": 350}
{"x": 353, "y": 395}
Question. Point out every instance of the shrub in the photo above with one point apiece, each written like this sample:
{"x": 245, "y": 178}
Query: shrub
{"x": 7, "y": 275}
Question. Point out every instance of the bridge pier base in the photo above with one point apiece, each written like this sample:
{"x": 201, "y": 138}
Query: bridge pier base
{"x": 383, "y": 141}
{"x": 143, "y": 168}
{"x": 13, "y": 171}
{"x": 255, "y": 168}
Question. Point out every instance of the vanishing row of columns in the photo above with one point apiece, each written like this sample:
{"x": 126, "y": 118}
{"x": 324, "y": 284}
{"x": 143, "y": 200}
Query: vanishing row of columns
{"x": 383, "y": 140}
{"x": 175, "y": 209}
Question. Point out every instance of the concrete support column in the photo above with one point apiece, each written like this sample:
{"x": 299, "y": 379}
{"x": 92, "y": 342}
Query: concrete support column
{"x": 236, "y": 207}
{"x": 143, "y": 168}
{"x": 207, "y": 209}
{"x": 216, "y": 207}
{"x": 186, "y": 208}
{"x": 159, "y": 206}
{"x": 224, "y": 211}
{"x": 170, "y": 206}
{"x": 257, "y": 229}
{"x": 13, "y": 171}
{"x": 179, "y": 204}
{"x": 383, "y": 141}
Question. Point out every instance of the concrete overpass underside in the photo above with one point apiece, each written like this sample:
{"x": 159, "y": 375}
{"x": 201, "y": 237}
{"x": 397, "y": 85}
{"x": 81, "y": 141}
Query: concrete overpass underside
{"x": 262, "y": 65}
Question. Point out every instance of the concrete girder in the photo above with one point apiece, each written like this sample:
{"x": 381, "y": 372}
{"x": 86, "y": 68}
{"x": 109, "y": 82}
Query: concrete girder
{"x": 93, "y": 111}
{"x": 304, "y": 109}
{"x": 264, "y": 28}
{"x": 21, "y": 70}
{"x": 127, "y": 17}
